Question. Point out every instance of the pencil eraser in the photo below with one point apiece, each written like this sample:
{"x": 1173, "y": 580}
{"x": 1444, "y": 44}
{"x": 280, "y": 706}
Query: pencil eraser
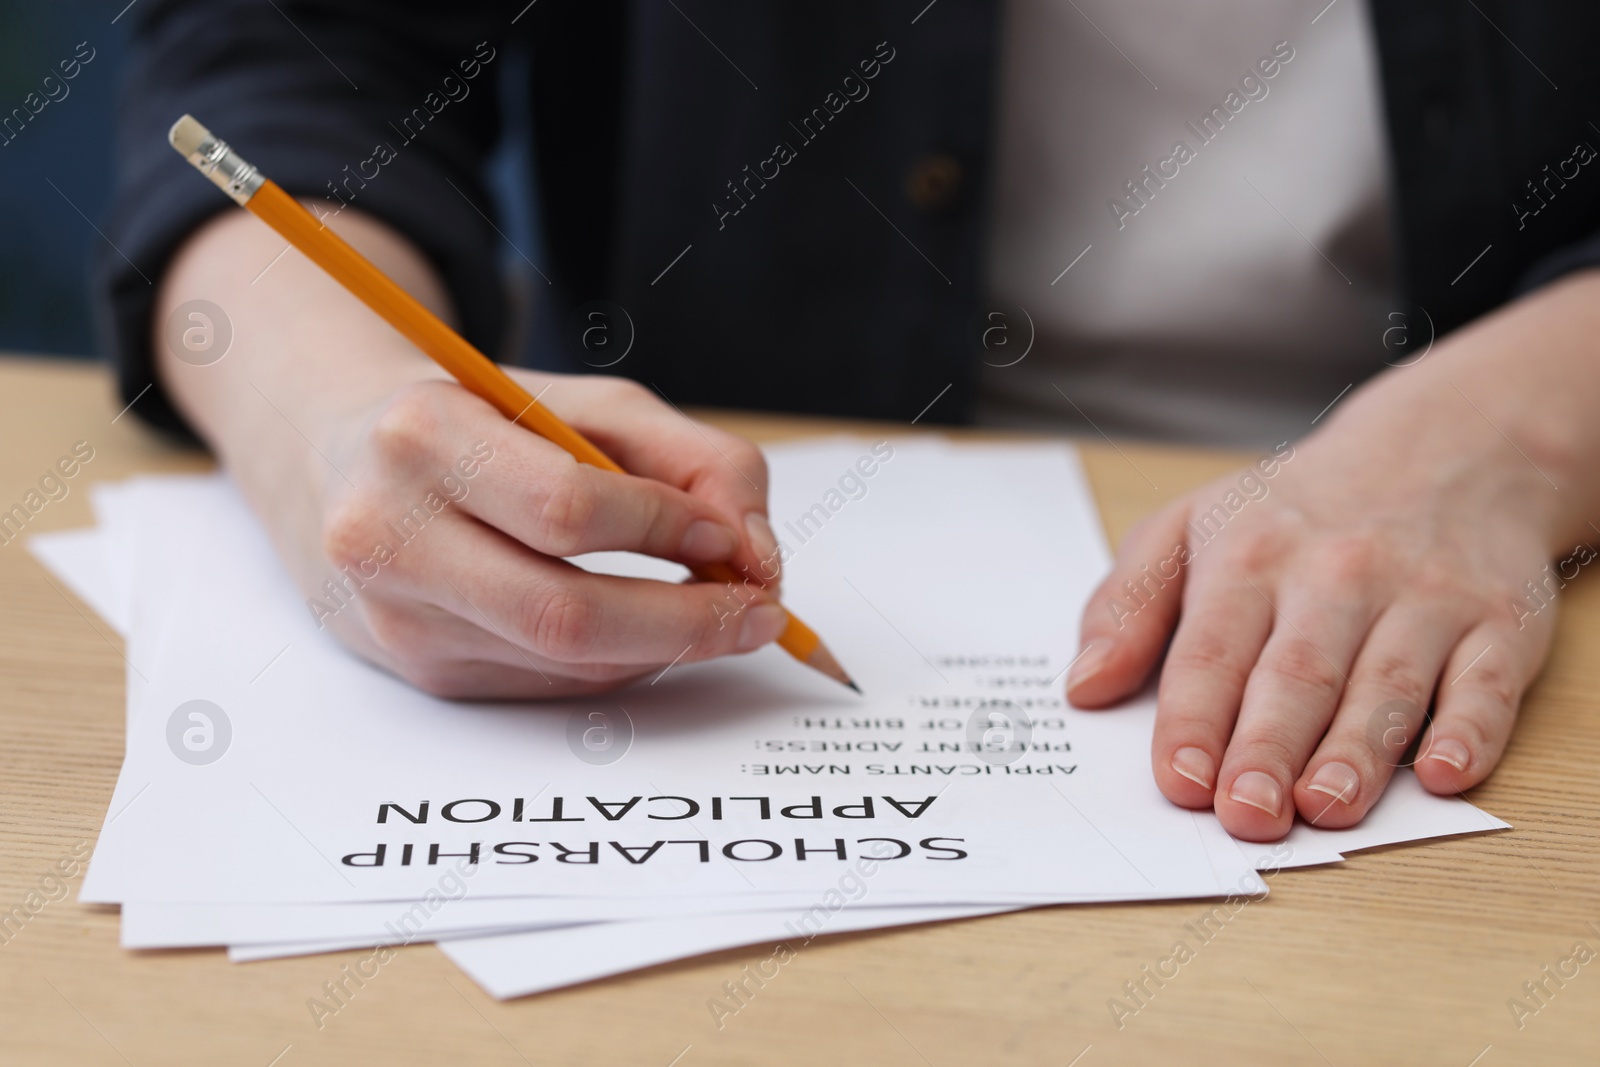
{"x": 186, "y": 135}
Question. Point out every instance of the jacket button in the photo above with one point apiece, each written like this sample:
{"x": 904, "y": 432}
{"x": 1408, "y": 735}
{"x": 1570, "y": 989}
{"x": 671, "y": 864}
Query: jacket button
{"x": 933, "y": 182}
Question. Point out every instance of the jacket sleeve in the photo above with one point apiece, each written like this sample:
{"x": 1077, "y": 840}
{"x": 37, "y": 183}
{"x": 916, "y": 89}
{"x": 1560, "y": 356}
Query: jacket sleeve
{"x": 390, "y": 106}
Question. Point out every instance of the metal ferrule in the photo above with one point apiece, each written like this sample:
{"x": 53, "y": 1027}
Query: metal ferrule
{"x": 226, "y": 169}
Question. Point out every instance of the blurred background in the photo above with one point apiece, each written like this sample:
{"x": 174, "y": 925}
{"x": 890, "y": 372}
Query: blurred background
{"x": 56, "y": 169}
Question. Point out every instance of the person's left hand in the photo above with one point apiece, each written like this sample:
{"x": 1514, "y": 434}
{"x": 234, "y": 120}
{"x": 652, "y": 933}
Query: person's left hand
{"x": 1314, "y": 614}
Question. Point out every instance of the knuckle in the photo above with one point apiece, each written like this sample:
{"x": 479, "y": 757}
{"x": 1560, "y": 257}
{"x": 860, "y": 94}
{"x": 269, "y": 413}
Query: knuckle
{"x": 1372, "y": 748}
{"x": 1476, "y": 729}
{"x": 1269, "y": 748}
{"x": 1120, "y": 602}
{"x": 1432, "y": 582}
{"x": 1493, "y": 678}
{"x": 1497, "y": 592}
{"x": 1528, "y": 605}
{"x": 405, "y": 433}
{"x": 397, "y": 638}
{"x": 348, "y": 531}
{"x": 1253, "y": 549}
{"x": 1205, "y": 654}
{"x": 1299, "y": 665}
{"x": 561, "y": 623}
{"x": 663, "y": 515}
{"x": 711, "y": 625}
{"x": 1348, "y": 561}
{"x": 566, "y": 514}
{"x": 1181, "y": 723}
{"x": 1396, "y": 677}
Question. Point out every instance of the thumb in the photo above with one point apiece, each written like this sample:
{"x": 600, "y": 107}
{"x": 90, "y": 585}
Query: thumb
{"x": 1131, "y": 614}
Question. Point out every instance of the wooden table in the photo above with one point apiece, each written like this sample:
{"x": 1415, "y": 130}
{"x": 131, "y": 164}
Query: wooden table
{"x": 1404, "y": 956}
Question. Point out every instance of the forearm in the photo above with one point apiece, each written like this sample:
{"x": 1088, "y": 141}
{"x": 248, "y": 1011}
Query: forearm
{"x": 305, "y": 355}
{"x": 1524, "y": 379}
{"x": 374, "y": 478}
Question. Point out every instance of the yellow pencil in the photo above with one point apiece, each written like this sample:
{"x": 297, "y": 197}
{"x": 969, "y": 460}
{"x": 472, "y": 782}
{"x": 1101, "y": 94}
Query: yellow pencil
{"x": 477, "y": 372}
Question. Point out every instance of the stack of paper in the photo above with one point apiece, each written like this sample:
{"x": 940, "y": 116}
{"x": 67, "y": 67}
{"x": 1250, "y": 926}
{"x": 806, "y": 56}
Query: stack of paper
{"x": 280, "y": 796}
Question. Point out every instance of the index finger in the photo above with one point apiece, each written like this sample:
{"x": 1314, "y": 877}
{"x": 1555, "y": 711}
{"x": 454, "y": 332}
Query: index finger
{"x": 648, "y": 436}
{"x": 1119, "y": 639}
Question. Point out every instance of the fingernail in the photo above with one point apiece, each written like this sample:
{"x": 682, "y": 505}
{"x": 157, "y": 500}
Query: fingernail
{"x": 705, "y": 540}
{"x": 1450, "y": 751}
{"x": 1196, "y": 765}
{"x": 765, "y": 544}
{"x": 762, "y": 623}
{"x": 1259, "y": 790}
{"x": 1337, "y": 780}
{"x": 1089, "y": 663}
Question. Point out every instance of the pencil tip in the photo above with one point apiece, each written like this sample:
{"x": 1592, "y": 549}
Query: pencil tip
{"x": 822, "y": 660}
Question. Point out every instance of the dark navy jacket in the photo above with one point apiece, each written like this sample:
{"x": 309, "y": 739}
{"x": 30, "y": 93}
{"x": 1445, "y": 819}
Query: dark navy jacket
{"x": 753, "y": 276}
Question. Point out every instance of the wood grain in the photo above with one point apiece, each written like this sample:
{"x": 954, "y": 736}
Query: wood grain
{"x": 1404, "y": 955}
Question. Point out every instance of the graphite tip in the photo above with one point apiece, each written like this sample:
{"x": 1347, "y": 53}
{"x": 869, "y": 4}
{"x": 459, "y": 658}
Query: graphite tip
{"x": 822, "y": 660}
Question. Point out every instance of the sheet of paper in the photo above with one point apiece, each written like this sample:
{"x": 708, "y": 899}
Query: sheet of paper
{"x": 520, "y": 963}
{"x": 451, "y": 912}
{"x": 96, "y": 563}
{"x": 278, "y": 950}
{"x": 289, "y": 815}
{"x": 1447, "y": 816}
{"x": 119, "y": 509}
{"x": 514, "y": 961}
{"x": 78, "y": 559}
{"x": 1406, "y": 813}
{"x": 517, "y": 962}
{"x": 514, "y": 965}
{"x": 191, "y": 925}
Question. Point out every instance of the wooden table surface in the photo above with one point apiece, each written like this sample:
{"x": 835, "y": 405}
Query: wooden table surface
{"x": 1406, "y": 955}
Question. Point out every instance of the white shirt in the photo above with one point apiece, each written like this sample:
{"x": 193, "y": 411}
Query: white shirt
{"x": 1245, "y": 281}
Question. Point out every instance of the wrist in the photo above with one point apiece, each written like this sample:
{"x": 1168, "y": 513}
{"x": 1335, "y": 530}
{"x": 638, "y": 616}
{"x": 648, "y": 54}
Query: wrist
{"x": 1508, "y": 402}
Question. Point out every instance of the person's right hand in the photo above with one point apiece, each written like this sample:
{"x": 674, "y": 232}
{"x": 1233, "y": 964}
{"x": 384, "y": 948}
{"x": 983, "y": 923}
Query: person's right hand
{"x": 481, "y": 601}
{"x": 427, "y": 530}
